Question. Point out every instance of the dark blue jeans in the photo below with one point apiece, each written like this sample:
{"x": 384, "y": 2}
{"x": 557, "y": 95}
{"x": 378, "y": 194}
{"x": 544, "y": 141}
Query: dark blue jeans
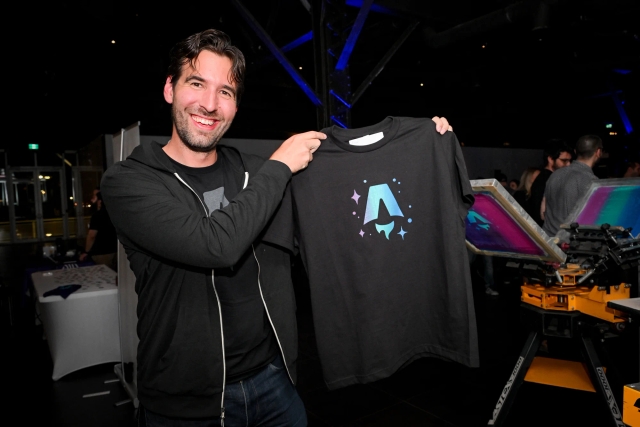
{"x": 267, "y": 399}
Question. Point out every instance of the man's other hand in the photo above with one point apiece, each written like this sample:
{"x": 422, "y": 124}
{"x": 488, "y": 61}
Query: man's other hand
{"x": 442, "y": 125}
{"x": 297, "y": 151}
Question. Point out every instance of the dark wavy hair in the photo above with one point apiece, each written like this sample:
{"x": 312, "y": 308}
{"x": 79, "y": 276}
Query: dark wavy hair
{"x": 553, "y": 148}
{"x": 216, "y": 41}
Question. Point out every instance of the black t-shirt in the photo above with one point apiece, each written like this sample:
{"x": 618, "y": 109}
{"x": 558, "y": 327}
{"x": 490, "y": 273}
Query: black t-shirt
{"x": 521, "y": 197}
{"x": 106, "y": 240}
{"x": 537, "y": 194}
{"x": 382, "y": 236}
{"x": 250, "y": 343}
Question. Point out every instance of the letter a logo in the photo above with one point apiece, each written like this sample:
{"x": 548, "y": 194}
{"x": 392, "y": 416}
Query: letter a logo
{"x": 379, "y": 193}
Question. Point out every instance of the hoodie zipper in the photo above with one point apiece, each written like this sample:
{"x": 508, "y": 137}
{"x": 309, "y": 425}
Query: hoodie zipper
{"x": 264, "y": 303}
{"x": 269, "y": 316}
{"x": 213, "y": 283}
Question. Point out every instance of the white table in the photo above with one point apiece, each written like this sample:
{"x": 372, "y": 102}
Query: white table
{"x": 82, "y": 330}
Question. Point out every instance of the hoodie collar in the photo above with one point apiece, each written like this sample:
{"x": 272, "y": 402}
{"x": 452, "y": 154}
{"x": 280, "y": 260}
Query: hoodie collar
{"x": 152, "y": 155}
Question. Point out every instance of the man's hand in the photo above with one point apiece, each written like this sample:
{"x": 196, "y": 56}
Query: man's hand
{"x": 297, "y": 151}
{"x": 442, "y": 125}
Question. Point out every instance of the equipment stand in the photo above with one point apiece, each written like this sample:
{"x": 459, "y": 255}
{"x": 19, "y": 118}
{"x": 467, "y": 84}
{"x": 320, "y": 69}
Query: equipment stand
{"x": 574, "y": 326}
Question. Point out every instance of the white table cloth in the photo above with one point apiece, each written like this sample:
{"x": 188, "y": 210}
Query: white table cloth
{"x": 82, "y": 330}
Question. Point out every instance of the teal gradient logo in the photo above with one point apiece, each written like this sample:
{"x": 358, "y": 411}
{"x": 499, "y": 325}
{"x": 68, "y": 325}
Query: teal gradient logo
{"x": 378, "y": 196}
{"x": 480, "y": 222}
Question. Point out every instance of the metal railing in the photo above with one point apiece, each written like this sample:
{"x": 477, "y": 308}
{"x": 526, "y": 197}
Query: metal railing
{"x": 53, "y": 228}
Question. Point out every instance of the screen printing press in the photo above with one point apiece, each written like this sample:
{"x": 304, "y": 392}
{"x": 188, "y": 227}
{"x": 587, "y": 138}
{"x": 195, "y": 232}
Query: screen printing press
{"x": 575, "y": 286}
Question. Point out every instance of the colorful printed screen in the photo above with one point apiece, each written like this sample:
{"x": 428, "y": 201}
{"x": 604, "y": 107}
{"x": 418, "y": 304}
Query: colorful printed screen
{"x": 490, "y": 228}
{"x": 614, "y": 205}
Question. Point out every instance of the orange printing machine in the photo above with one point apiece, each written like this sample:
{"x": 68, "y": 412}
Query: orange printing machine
{"x": 576, "y": 288}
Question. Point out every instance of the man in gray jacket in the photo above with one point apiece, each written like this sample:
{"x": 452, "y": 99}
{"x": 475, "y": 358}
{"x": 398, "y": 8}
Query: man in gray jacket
{"x": 216, "y": 307}
{"x": 567, "y": 186}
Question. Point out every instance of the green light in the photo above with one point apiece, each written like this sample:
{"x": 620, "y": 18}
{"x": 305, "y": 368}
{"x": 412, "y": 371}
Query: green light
{"x": 608, "y": 125}
{"x": 33, "y": 146}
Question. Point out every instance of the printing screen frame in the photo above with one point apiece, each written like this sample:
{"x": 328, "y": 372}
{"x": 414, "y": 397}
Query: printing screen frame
{"x": 550, "y": 250}
{"x": 595, "y": 185}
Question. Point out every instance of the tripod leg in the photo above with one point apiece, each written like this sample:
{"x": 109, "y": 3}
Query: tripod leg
{"x": 515, "y": 380}
{"x": 600, "y": 382}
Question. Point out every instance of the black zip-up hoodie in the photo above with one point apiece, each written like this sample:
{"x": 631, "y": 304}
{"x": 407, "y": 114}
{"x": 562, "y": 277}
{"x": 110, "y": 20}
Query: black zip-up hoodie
{"x": 170, "y": 243}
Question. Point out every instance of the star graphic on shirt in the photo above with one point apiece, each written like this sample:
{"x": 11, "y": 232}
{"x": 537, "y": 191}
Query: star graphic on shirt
{"x": 361, "y": 233}
{"x": 402, "y": 233}
{"x": 355, "y": 196}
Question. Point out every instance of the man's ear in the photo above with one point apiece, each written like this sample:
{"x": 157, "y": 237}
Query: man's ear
{"x": 168, "y": 90}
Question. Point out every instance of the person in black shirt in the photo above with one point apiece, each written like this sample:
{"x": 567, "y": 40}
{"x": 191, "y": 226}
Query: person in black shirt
{"x": 557, "y": 154}
{"x": 102, "y": 243}
{"x": 216, "y": 307}
{"x": 523, "y": 192}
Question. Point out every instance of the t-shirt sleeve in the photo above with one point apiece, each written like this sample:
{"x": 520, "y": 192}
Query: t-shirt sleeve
{"x": 280, "y": 229}
{"x": 466, "y": 191}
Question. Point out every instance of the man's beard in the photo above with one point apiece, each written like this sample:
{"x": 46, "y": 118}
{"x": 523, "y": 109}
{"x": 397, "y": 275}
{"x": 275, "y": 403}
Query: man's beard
{"x": 190, "y": 138}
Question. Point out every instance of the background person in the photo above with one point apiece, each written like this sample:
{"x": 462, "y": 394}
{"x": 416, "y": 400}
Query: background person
{"x": 514, "y": 184}
{"x": 568, "y": 185}
{"x": 557, "y": 154}
{"x": 632, "y": 169}
{"x": 523, "y": 192}
{"x": 102, "y": 242}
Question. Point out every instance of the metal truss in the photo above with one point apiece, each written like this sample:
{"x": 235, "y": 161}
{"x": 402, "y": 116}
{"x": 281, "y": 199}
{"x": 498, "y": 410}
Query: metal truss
{"x": 334, "y": 38}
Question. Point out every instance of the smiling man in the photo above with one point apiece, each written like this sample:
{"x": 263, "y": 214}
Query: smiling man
{"x": 216, "y": 307}
{"x": 203, "y": 104}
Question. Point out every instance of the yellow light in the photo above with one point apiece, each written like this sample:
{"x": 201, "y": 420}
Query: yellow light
{"x": 613, "y": 133}
{"x": 299, "y": 68}
{"x": 88, "y": 205}
{"x": 43, "y": 192}
{"x": 113, "y": 42}
{"x": 47, "y": 177}
{"x": 40, "y": 176}
{"x": 421, "y": 84}
{"x": 71, "y": 198}
{"x": 48, "y": 234}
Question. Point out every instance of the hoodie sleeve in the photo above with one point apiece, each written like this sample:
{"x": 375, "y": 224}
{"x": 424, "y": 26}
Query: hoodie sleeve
{"x": 155, "y": 217}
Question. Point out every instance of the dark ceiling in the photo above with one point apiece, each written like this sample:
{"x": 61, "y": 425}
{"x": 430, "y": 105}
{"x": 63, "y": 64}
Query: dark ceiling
{"x": 501, "y": 76}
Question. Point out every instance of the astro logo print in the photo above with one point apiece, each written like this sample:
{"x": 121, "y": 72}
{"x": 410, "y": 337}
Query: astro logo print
{"x": 478, "y": 220}
{"x": 378, "y": 196}
{"x": 215, "y": 199}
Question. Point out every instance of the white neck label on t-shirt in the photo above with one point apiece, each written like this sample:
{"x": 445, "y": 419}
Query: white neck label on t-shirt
{"x": 367, "y": 139}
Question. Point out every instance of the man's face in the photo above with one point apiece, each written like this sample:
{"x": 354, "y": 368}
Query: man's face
{"x": 203, "y": 101}
{"x": 564, "y": 159}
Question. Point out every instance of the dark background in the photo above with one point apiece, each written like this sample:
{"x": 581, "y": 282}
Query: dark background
{"x": 534, "y": 78}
